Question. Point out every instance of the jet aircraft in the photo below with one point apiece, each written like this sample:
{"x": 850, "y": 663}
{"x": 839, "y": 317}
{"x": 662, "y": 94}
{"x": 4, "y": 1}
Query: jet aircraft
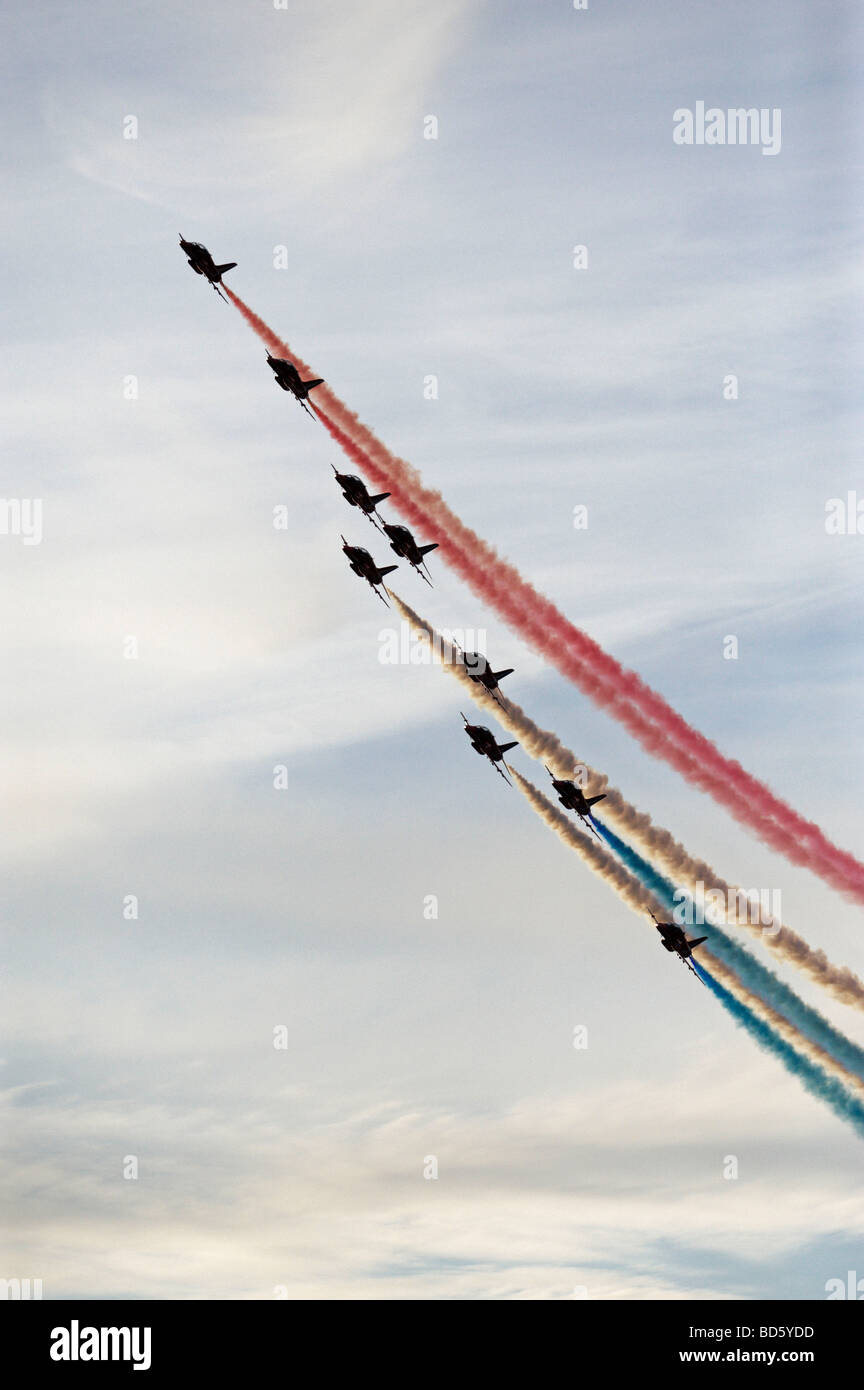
{"x": 574, "y": 799}
{"x": 289, "y": 379}
{"x": 362, "y": 564}
{"x": 203, "y": 264}
{"x": 405, "y": 546}
{"x": 483, "y": 741}
{"x": 674, "y": 938}
{"x": 481, "y": 673}
{"x": 356, "y": 493}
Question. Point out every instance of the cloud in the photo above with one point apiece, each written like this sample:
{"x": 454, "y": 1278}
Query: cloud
{"x": 295, "y": 99}
{"x": 538, "y": 1201}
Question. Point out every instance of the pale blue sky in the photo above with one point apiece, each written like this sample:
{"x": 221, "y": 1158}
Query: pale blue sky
{"x": 259, "y": 128}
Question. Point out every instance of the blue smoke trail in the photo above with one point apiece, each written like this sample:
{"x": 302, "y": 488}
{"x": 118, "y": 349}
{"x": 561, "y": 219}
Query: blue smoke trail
{"x": 812, "y": 1077}
{"x": 750, "y": 971}
{"x": 660, "y": 886}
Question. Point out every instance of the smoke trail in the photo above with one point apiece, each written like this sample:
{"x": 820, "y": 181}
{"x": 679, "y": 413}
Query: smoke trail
{"x": 629, "y": 889}
{"x": 843, "y": 1063}
{"x": 837, "y": 866}
{"x": 648, "y": 717}
{"x": 842, "y": 983}
{"x": 503, "y": 595}
{"x": 754, "y": 976}
{"x": 778, "y": 1024}
{"x": 824, "y": 1087}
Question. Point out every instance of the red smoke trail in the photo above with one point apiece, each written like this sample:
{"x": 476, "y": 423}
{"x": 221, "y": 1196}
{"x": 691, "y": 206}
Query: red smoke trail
{"x": 646, "y": 715}
{"x": 654, "y": 740}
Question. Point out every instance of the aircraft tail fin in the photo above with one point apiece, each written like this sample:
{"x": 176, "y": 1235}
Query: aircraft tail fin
{"x": 505, "y": 746}
{"x": 229, "y": 265}
{"x": 499, "y": 675}
{"x": 308, "y": 385}
{"x": 698, "y": 941}
{"x": 592, "y": 800}
{"x": 387, "y": 569}
{"x": 382, "y": 496}
{"x": 424, "y": 549}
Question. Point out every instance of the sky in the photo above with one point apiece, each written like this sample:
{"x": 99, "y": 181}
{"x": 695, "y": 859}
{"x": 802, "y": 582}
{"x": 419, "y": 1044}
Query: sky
{"x": 165, "y": 647}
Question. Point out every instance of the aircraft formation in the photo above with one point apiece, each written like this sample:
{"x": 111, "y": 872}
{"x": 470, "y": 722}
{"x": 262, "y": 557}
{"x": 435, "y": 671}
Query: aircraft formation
{"x": 404, "y": 545}
{"x": 644, "y": 864}
{"x": 356, "y": 494}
